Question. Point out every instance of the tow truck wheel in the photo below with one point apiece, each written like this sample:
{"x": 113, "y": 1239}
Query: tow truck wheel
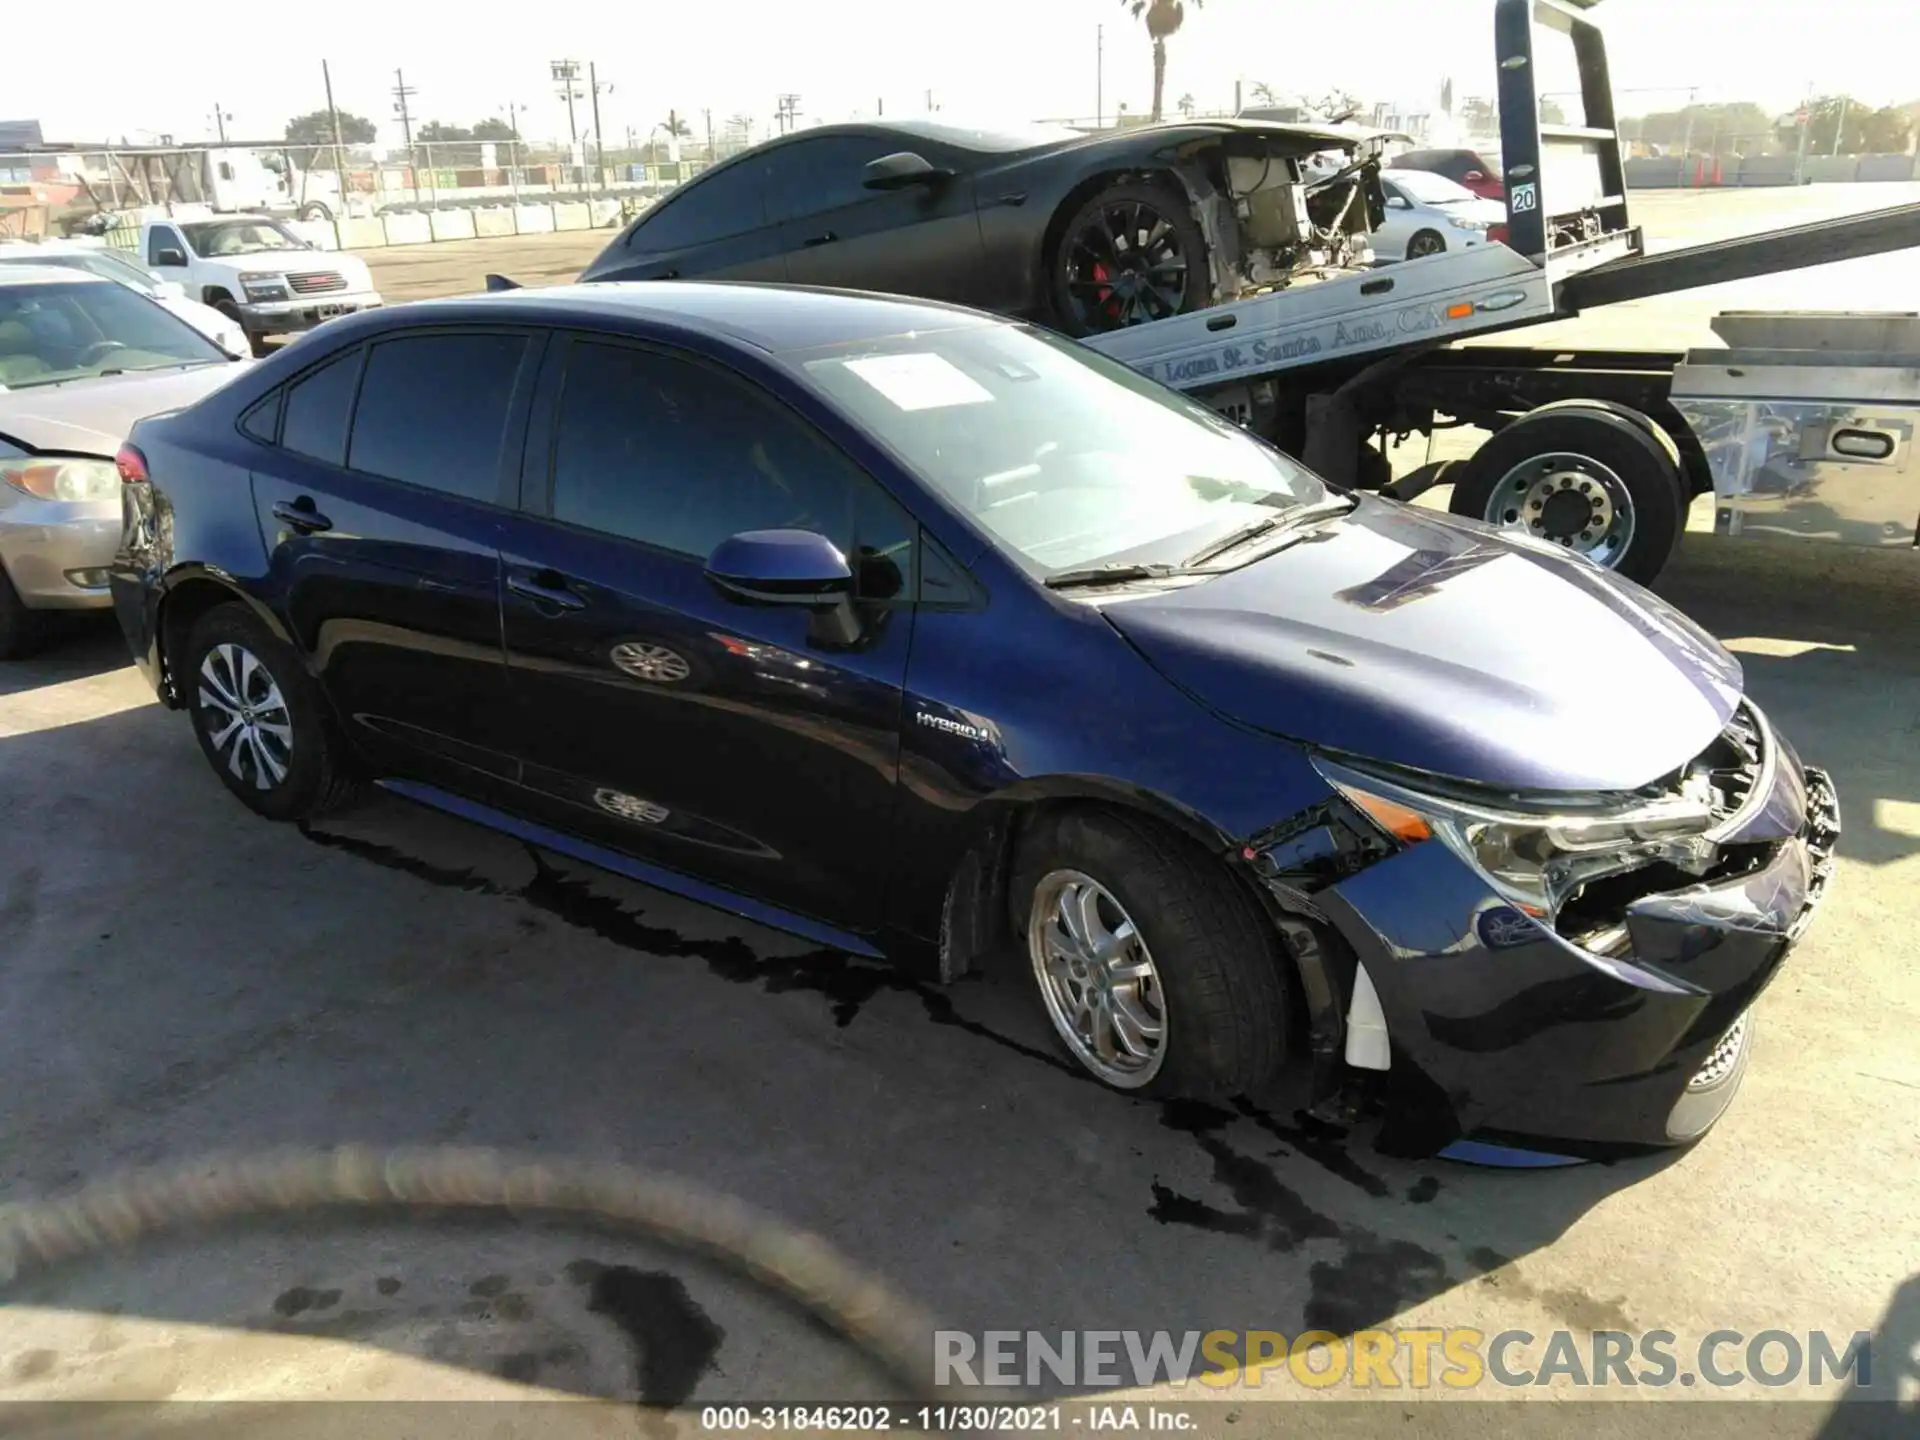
{"x": 1584, "y": 477}
{"x": 1132, "y": 254}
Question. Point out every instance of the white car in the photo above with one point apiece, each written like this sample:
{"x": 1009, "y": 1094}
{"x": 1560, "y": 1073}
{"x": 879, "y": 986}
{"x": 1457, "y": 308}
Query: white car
{"x": 113, "y": 265}
{"x": 1429, "y": 215}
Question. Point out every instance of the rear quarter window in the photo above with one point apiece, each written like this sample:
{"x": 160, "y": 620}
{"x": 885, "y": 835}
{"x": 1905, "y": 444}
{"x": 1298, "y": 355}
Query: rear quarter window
{"x": 719, "y": 204}
{"x": 317, "y": 407}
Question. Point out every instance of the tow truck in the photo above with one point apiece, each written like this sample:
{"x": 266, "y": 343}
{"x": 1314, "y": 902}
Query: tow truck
{"x": 1804, "y": 426}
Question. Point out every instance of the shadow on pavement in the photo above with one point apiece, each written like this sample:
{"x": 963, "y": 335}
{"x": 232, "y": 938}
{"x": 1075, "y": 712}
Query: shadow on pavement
{"x": 182, "y": 978}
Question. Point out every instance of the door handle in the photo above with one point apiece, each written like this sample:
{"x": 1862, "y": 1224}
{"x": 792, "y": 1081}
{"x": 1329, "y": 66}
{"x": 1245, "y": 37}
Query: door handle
{"x": 545, "y": 588}
{"x": 300, "y": 515}
{"x": 826, "y": 239}
{"x": 1012, "y": 197}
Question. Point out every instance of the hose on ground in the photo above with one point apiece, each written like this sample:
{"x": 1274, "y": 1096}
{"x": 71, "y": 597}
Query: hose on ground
{"x": 144, "y": 1204}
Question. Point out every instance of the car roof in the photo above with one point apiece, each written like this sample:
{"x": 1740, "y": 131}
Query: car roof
{"x": 17, "y": 274}
{"x": 774, "y": 318}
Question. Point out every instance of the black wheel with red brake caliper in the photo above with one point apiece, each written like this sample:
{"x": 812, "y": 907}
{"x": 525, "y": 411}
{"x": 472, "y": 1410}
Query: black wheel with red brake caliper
{"x": 1132, "y": 254}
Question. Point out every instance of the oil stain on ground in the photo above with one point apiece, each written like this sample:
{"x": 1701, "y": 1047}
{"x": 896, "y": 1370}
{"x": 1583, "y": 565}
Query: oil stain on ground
{"x": 675, "y": 1342}
{"x": 1369, "y": 1279}
{"x": 847, "y": 982}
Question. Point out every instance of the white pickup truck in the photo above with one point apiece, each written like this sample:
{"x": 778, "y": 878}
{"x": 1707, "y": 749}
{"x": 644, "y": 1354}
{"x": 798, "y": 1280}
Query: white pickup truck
{"x": 258, "y": 272}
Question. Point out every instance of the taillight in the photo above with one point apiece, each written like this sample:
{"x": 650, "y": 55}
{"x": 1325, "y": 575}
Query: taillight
{"x": 132, "y": 466}
{"x": 1498, "y": 234}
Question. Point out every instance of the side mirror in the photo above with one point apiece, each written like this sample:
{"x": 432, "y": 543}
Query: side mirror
{"x": 1399, "y": 202}
{"x": 900, "y": 170}
{"x": 170, "y": 256}
{"x": 780, "y": 567}
{"x": 1473, "y": 175}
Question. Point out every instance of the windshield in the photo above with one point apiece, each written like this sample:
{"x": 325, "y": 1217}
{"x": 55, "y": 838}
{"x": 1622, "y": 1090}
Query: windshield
{"x": 1431, "y": 189}
{"x": 1069, "y": 459}
{"x": 55, "y": 332}
{"x": 240, "y": 237}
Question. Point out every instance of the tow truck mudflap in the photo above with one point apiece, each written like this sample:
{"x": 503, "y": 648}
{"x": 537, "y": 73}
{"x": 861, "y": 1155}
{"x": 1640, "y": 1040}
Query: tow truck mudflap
{"x": 1808, "y": 423}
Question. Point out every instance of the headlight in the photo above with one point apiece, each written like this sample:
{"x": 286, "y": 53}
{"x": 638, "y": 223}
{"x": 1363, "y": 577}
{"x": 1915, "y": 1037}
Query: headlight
{"x": 1534, "y": 861}
{"x": 59, "y": 478}
{"x": 264, "y": 287}
{"x": 1460, "y": 224}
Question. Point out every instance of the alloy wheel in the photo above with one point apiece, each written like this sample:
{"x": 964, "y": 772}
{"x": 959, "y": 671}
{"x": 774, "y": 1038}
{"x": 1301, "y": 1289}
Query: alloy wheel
{"x": 1572, "y": 500}
{"x": 1125, "y": 266}
{"x": 1097, "y": 979}
{"x": 247, "y": 721}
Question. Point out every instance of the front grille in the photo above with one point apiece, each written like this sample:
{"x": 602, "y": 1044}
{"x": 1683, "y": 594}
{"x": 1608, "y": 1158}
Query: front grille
{"x": 1724, "y": 1057}
{"x": 317, "y": 282}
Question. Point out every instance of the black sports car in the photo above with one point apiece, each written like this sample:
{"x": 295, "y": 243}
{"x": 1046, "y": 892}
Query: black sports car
{"x": 1084, "y": 232}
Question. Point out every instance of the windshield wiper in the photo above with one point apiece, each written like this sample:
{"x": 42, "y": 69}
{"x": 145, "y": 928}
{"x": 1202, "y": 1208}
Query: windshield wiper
{"x": 1271, "y": 524}
{"x": 1114, "y": 575}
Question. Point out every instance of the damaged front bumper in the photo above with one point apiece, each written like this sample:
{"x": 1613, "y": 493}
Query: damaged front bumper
{"x": 1499, "y": 1028}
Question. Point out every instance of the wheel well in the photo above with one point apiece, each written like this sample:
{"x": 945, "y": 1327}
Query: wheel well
{"x": 180, "y": 611}
{"x": 214, "y": 294}
{"x": 1081, "y": 193}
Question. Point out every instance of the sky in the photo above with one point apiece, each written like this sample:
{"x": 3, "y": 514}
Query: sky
{"x": 984, "y": 60}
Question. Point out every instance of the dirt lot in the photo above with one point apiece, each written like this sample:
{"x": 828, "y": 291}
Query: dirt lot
{"x": 177, "y": 977}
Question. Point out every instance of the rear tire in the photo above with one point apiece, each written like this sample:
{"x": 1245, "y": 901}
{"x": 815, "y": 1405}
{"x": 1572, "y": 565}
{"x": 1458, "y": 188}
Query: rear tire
{"x": 1184, "y": 948}
{"x": 1596, "y": 448}
{"x": 260, "y": 718}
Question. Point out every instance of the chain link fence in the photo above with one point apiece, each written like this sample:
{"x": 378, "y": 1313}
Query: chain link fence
{"x": 109, "y": 190}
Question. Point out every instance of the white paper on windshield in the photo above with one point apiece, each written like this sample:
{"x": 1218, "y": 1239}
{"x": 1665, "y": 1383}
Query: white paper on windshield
{"x": 920, "y": 381}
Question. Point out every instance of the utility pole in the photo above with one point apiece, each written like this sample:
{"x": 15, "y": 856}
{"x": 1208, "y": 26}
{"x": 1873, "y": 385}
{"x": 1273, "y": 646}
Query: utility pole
{"x": 220, "y": 118}
{"x": 706, "y": 114}
{"x": 599, "y": 139}
{"x": 402, "y": 93}
{"x": 333, "y": 117}
{"x": 1840, "y": 127}
{"x": 929, "y": 102}
{"x": 1099, "y": 77}
{"x": 785, "y": 111}
{"x": 566, "y": 75}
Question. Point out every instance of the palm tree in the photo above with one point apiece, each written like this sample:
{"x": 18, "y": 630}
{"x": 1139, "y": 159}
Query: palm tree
{"x": 1163, "y": 18}
{"x": 1184, "y": 105}
{"x": 1263, "y": 94}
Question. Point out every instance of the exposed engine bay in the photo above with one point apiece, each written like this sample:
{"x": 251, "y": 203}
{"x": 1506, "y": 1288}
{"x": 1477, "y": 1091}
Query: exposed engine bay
{"x": 1283, "y": 204}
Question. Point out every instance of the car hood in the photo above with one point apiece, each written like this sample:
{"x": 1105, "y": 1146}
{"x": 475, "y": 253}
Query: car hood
{"x": 1412, "y": 637}
{"x": 92, "y": 417}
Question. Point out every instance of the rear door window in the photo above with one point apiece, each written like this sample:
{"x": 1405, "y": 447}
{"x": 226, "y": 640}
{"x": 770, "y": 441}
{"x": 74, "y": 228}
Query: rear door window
{"x": 433, "y": 411}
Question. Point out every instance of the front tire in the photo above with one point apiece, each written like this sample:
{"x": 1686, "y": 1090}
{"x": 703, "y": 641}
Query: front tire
{"x": 1158, "y": 975}
{"x": 1425, "y": 243}
{"x": 260, "y": 719}
{"x": 20, "y": 628}
{"x": 255, "y": 342}
{"x": 1588, "y": 478}
{"x": 1130, "y": 255}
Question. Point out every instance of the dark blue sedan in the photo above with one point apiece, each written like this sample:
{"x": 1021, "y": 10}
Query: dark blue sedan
{"x": 929, "y": 635}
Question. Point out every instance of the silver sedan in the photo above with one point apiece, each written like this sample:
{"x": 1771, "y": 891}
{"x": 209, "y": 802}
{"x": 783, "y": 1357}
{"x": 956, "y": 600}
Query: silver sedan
{"x": 81, "y": 359}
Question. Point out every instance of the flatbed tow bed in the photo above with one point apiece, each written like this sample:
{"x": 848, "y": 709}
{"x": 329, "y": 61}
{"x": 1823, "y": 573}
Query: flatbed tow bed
{"x": 1331, "y": 367}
